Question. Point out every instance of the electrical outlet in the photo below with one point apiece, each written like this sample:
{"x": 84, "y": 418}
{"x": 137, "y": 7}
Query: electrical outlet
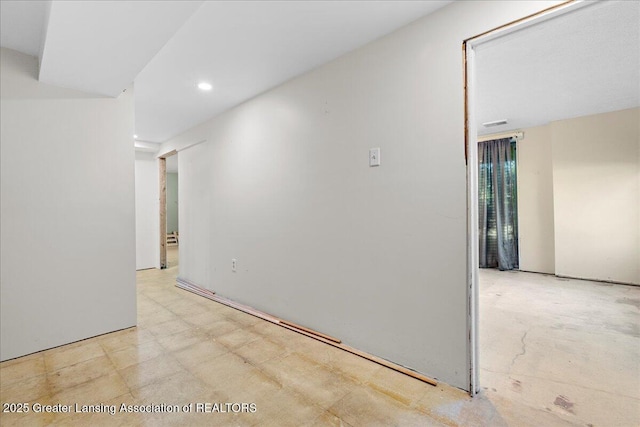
{"x": 234, "y": 265}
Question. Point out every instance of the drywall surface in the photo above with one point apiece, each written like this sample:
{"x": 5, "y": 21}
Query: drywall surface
{"x": 147, "y": 214}
{"x": 172, "y": 202}
{"x": 194, "y": 214}
{"x": 374, "y": 256}
{"x": 535, "y": 201}
{"x": 596, "y": 185}
{"x": 67, "y": 212}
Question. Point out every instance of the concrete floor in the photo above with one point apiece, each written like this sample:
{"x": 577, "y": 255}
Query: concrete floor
{"x": 557, "y": 351}
{"x": 554, "y": 352}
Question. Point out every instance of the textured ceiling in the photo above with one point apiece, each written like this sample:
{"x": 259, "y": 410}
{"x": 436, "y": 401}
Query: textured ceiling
{"x": 580, "y": 63}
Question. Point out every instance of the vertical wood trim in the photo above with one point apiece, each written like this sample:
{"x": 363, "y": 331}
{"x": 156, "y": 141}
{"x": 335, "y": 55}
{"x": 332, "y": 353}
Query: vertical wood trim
{"x": 162, "y": 162}
{"x": 471, "y": 158}
{"x": 465, "y": 85}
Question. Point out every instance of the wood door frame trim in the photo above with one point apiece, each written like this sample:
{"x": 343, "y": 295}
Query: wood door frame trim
{"x": 162, "y": 163}
{"x": 162, "y": 205}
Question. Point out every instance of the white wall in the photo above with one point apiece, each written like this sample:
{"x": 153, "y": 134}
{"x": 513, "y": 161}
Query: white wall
{"x": 596, "y": 184}
{"x": 375, "y": 256}
{"x": 194, "y": 212}
{"x": 67, "y": 212}
{"x": 535, "y": 201}
{"x": 579, "y": 197}
{"x": 147, "y": 215}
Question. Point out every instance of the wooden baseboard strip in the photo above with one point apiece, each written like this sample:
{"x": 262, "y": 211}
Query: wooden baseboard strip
{"x": 376, "y": 359}
{"x": 195, "y": 291}
{"x": 190, "y": 284}
{"x": 311, "y": 331}
{"x": 249, "y": 310}
{"x": 391, "y": 365}
{"x": 191, "y": 287}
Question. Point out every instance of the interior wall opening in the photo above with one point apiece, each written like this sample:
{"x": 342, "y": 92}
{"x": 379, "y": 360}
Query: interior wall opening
{"x": 541, "y": 330}
{"x": 168, "y": 210}
{"x": 172, "y": 227}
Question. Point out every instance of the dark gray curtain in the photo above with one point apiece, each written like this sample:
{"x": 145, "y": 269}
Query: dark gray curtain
{"x": 498, "y": 209}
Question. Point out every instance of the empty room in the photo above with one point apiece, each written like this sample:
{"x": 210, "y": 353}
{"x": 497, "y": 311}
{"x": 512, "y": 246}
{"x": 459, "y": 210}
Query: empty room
{"x": 289, "y": 213}
{"x": 558, "y": 214}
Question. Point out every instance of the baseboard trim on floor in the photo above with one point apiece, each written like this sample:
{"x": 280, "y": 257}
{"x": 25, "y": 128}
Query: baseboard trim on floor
{"x": 327, "y": 339}
{"x": 311, "y": 331}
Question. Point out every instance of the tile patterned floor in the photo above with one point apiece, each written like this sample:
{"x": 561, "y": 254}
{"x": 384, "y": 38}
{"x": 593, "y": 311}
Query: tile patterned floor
{"x": 187, "y": 349}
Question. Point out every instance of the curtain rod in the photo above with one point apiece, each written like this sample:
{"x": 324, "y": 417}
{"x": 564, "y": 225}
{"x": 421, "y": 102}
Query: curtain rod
{"x": 517, "y": 135}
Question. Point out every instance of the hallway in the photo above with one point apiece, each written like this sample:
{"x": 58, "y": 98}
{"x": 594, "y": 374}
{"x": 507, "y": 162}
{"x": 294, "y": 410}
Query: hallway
{"x": 555, "y": 352}
{"x": 190, "y": 349}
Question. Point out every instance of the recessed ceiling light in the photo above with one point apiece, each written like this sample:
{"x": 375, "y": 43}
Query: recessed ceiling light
{"x": 204, "y": 86}
{"x": 135, "y": 136}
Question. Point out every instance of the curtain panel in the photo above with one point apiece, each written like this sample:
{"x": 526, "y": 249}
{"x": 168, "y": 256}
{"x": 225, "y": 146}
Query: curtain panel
{"x": 498, "y": 204}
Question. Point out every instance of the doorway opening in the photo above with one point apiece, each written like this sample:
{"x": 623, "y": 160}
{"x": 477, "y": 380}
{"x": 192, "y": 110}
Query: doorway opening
{"x": 472, "y": 161}
{"x": 168, "y": 210}
{"x": 556, "y": 327}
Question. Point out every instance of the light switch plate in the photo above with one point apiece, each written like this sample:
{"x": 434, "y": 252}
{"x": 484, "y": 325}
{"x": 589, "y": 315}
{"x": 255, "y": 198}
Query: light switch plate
{"x": 374, "y": 157}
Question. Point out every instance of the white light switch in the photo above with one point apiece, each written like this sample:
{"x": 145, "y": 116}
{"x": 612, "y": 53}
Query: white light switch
{"x": 374, "y": 157}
